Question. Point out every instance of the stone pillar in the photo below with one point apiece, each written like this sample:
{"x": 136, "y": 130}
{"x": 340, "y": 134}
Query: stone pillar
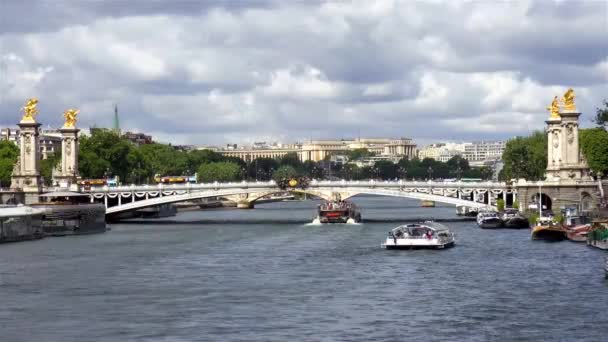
{"x": 554, "y": 151}
{"x": 244, "y": 204}
{"x": 67, "y": 173}
{"x": 573, "y": 166}
{"x": 26, "y": 173}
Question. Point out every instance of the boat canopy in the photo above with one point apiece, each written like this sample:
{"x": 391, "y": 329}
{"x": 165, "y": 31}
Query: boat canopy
{"x": 18, "y": 210}
{"x": 438, "y": 227}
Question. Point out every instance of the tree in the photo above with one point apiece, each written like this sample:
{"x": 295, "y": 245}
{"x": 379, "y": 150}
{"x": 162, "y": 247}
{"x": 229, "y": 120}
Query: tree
{"x": 359, "y": 153}
{"x": 47, "y": 165}
{"x": 284, "y": 172}
{"x": 500, "y": 205}
{"x": 350, "y": 171}
{"x": 291, "y": 159}
{"x": 312, "y": 170}
{"x": 219, "y": 172}
{"x": 457, "y": 166}
{"x": 197, "y": 158}
{"x": 107, "y": 149}
{"x": 262, "y": 168}
{"x": 141, "y": 171}
{"x": 601, "y": 116}
{"x": 165, "y": 160}
{"x": 9, "y": 153}
{"x": 386, "y": 169}
{"x": 525, "y": 157}
{"x": 594, "y": 145}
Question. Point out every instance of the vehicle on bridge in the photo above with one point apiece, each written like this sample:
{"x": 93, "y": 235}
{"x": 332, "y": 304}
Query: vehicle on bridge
{"x": 175, "y": 179}
{"x": 88, "y": 183}
{"x": 419, "y": 235}
{"x": 338, "y": 212}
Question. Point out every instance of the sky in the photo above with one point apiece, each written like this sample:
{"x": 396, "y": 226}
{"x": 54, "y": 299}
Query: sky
{"x": 218, "y": 71}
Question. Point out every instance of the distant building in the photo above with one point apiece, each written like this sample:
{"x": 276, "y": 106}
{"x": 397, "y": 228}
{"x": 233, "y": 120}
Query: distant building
{"x": 371, "y": 161}
{"x": 442, "y": 151}
{"x": 10, "y": 134}
{"x": 484, "y": 151}
{"x": 138, "y": 138}
{"x": 50, "y": 140}
{"x": 185, "y": 148}
{"x": 320, "y": 149}
{"x": 476, "y": 153}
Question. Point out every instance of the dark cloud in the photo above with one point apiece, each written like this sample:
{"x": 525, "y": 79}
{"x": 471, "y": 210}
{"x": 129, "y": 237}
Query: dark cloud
{"x": 218, "y": 71}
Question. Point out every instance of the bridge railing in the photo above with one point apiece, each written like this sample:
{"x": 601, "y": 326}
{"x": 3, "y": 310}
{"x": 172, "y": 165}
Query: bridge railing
{"x": 313, "y": 184}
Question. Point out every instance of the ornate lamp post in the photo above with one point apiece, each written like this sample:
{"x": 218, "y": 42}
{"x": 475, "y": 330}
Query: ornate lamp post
{"x": 402, "y": 172}
{"x": 375, "y": 172}
{"x": 430, "y": 172}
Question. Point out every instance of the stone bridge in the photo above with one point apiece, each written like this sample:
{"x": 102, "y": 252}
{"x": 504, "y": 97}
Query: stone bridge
{"x": 127, "y": 198}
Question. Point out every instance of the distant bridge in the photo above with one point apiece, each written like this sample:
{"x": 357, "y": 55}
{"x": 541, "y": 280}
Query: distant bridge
{"x": 128, "y": 198}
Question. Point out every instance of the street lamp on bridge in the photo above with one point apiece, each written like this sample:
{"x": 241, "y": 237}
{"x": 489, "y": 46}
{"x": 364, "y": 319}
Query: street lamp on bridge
{"x": 402, "y": 172}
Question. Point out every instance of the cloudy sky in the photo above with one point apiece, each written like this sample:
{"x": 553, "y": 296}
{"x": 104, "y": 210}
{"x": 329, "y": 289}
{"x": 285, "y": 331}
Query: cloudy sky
{"x": 213, "y": 72}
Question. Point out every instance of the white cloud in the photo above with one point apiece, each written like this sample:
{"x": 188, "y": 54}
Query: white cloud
{"x": 305, "y": 82}
{"x": 431, "y": 70}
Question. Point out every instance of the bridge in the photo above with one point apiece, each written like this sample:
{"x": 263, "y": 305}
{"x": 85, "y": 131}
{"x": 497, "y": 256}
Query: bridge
{"x": 128, "y": 198}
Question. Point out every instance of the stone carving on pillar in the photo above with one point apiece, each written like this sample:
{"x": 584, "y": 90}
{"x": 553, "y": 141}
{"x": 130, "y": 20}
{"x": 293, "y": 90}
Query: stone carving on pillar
{"x": 564, "y": 159}
{"x": 26, "y": 173}
{"x": 67, "y": 173}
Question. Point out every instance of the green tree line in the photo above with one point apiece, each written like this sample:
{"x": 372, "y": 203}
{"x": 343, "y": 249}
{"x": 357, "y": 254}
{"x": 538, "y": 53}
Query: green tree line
{"x": 106, "y": 153}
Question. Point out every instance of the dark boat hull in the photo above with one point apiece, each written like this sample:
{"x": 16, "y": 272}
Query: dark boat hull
{"x": 517, "y": 222}
{"x": 549, "y": 235}
{"x": 491, "y": 224}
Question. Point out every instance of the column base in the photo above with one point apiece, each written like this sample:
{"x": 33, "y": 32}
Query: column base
{"x": 245, "y": 205}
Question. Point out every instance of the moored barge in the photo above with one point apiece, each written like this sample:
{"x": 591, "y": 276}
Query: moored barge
{"x": 70, "y": 213}
{"x": 20, "y": 223}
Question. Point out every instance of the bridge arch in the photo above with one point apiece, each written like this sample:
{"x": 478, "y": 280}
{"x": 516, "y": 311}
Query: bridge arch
{"x": 257, "y": 193}
{"x": 586, "y": 201}
{"x": 547, "y": 202}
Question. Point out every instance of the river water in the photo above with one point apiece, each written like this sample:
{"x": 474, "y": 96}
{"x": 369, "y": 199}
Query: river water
{"x": 265, "y": 275}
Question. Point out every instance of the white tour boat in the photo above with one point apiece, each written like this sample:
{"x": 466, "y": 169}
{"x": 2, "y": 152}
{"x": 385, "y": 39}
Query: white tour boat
{"x": 419, "y": 235}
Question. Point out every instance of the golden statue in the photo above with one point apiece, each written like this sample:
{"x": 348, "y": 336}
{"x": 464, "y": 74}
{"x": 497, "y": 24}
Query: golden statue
{"x": 568, "y": 100}
{"x": 29, "y": 110}
{"x": 70, "y": 118}
{"x": 554, "y": 108}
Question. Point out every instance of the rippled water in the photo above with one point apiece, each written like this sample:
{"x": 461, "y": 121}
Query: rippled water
{"x": 263, "y": 274}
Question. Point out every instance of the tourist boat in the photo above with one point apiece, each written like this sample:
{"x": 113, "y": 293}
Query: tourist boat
{"x": 578, "y": 233}
{"x": 70, "y": 213}
{"x": 462, "y": 210}
{"x": 606, "y": 267}
{"x": 20, "y": 223}
{"x": 598, "y": 235}
{"x": 548, "y": 230}
{"x": 419, "y": 235}
{"x": 337, "y": 212}
{"x": 512, "y": 218}
{"x": 489, "y": 219}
